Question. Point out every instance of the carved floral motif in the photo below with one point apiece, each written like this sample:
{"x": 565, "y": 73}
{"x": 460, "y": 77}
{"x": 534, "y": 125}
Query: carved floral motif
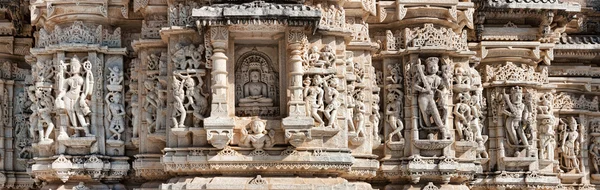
{"x": 78, "y": 33}
{"x": 430, "y": 36}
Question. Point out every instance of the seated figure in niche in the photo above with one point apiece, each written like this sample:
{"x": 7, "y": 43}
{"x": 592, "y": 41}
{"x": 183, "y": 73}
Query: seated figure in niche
{"x": 255, "y": 92}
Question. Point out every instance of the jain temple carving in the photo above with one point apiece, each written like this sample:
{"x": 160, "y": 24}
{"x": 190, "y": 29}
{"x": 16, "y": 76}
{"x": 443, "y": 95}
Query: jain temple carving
{"x": 300, "y": 94}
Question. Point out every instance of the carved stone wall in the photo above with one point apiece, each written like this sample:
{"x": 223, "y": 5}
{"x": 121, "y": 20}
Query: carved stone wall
{"x": 356, "y": 94}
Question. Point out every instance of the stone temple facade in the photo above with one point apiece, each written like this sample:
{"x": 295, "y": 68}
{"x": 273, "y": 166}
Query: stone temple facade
{"x": 299, "y": 94}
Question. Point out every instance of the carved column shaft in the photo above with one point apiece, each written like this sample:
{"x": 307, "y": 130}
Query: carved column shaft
{"x": 219, "y": 40}
{"x": 2, "y": 131}
{"x": 8, "y": 121}
{"x": 219, "y": 126}
{"x": 296, "y": 103}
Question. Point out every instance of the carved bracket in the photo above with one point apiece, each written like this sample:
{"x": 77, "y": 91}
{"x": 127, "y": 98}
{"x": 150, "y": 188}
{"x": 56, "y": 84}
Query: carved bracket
{"x": 297, "y": 136}
{"x": 219, "y": 138}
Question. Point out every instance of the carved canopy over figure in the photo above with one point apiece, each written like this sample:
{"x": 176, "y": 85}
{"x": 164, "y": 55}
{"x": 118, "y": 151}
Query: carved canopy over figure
{"x": 73, "y": 92}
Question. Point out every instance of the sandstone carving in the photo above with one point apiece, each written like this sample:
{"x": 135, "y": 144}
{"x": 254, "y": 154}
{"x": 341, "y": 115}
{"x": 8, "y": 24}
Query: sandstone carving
{"x": 355, "y": 94}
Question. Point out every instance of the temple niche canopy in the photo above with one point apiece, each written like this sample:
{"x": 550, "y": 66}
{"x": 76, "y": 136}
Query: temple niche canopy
{"x": 257, "y": 11}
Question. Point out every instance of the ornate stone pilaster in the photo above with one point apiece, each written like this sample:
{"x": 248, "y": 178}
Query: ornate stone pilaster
{"x": 297, "y": 125}
{"x": 219, "y": 126}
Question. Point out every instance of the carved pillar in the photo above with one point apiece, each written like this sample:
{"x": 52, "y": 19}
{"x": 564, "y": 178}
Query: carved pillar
{"x": 2, "y": 131}
{"x": 297, "y": 125}
{"x": 219, "y": 126}
{"x": 8, "y": 123}
{"x": 296, "y": 40}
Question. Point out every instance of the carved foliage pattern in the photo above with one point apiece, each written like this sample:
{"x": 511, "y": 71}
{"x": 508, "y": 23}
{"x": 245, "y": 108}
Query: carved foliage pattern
{"x": 80, "y": 34}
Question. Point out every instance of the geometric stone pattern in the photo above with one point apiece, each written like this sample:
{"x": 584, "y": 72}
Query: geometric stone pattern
{"x": 357, "y": 94}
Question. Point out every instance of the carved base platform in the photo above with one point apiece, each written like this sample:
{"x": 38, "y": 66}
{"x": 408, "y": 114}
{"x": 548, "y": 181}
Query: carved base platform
{"x": 135, "y": 142}
{"x": 364, "y": 167}
{"x": 432, "y": 144}
{"x": 77, "y": 145}
{"x": 158, "y": 136}
{"x": 423, "y": 169}
{"x": 249, "y": 161}
{"x": 44, "y": 148}
{"x": 81, "y": 168}
{"x": 355, "y": 140}
{"x": 259, "y": 182}
{"x": 149, "y": 167}
{"x": 512, "y": 162}
{"x": 520, "y": 180}
{"x": 115, "y": 147}
{"x": 426, "y": 186}
{"x": 89, "y": 184}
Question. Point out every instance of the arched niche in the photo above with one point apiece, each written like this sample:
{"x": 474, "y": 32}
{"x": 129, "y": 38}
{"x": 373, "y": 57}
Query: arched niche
{"x": 268, "y": 105}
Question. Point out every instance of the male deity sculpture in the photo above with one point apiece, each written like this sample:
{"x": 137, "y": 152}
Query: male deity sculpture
{"x": 547, "y": 141}
{"x": 200, "y": 103}
{"x": 476, "y": 125}
{"x": 44, "y": 106}
{"x": 332, "y": 100}
{"x": 312, "y": 57}
{"x": 393, "y": 111}
{"x": 428, "y": 85}
{"x": 259, "y": 138}
{"x": 134, "y": 111}
{"x": 73, "y": 92}
{"x": 595, "y": 154}
{"x": 570, "y": 145}
{"x": 33, "y": 118}
{"x": 178, "y": 57}
{"x": 150, "y": 105}
{"x": 515, "y": 113}
{"x": 255, "y": 92}
{"x": 314, "y": 98}
{"x": 327, "y": 57}
{"x": 462, "y": 116}
{"x": 115, "y": 115}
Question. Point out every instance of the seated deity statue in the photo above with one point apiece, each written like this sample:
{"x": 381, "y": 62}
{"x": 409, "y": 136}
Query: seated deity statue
{"x": 255, "y": 92}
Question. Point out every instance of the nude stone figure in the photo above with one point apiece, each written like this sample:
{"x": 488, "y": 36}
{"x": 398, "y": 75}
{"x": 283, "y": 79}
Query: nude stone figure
{"x": 255, "y": 92}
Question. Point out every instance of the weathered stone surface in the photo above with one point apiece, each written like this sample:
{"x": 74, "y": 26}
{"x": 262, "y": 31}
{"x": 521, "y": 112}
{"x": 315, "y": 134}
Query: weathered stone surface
{"x": 355, "y": 94}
